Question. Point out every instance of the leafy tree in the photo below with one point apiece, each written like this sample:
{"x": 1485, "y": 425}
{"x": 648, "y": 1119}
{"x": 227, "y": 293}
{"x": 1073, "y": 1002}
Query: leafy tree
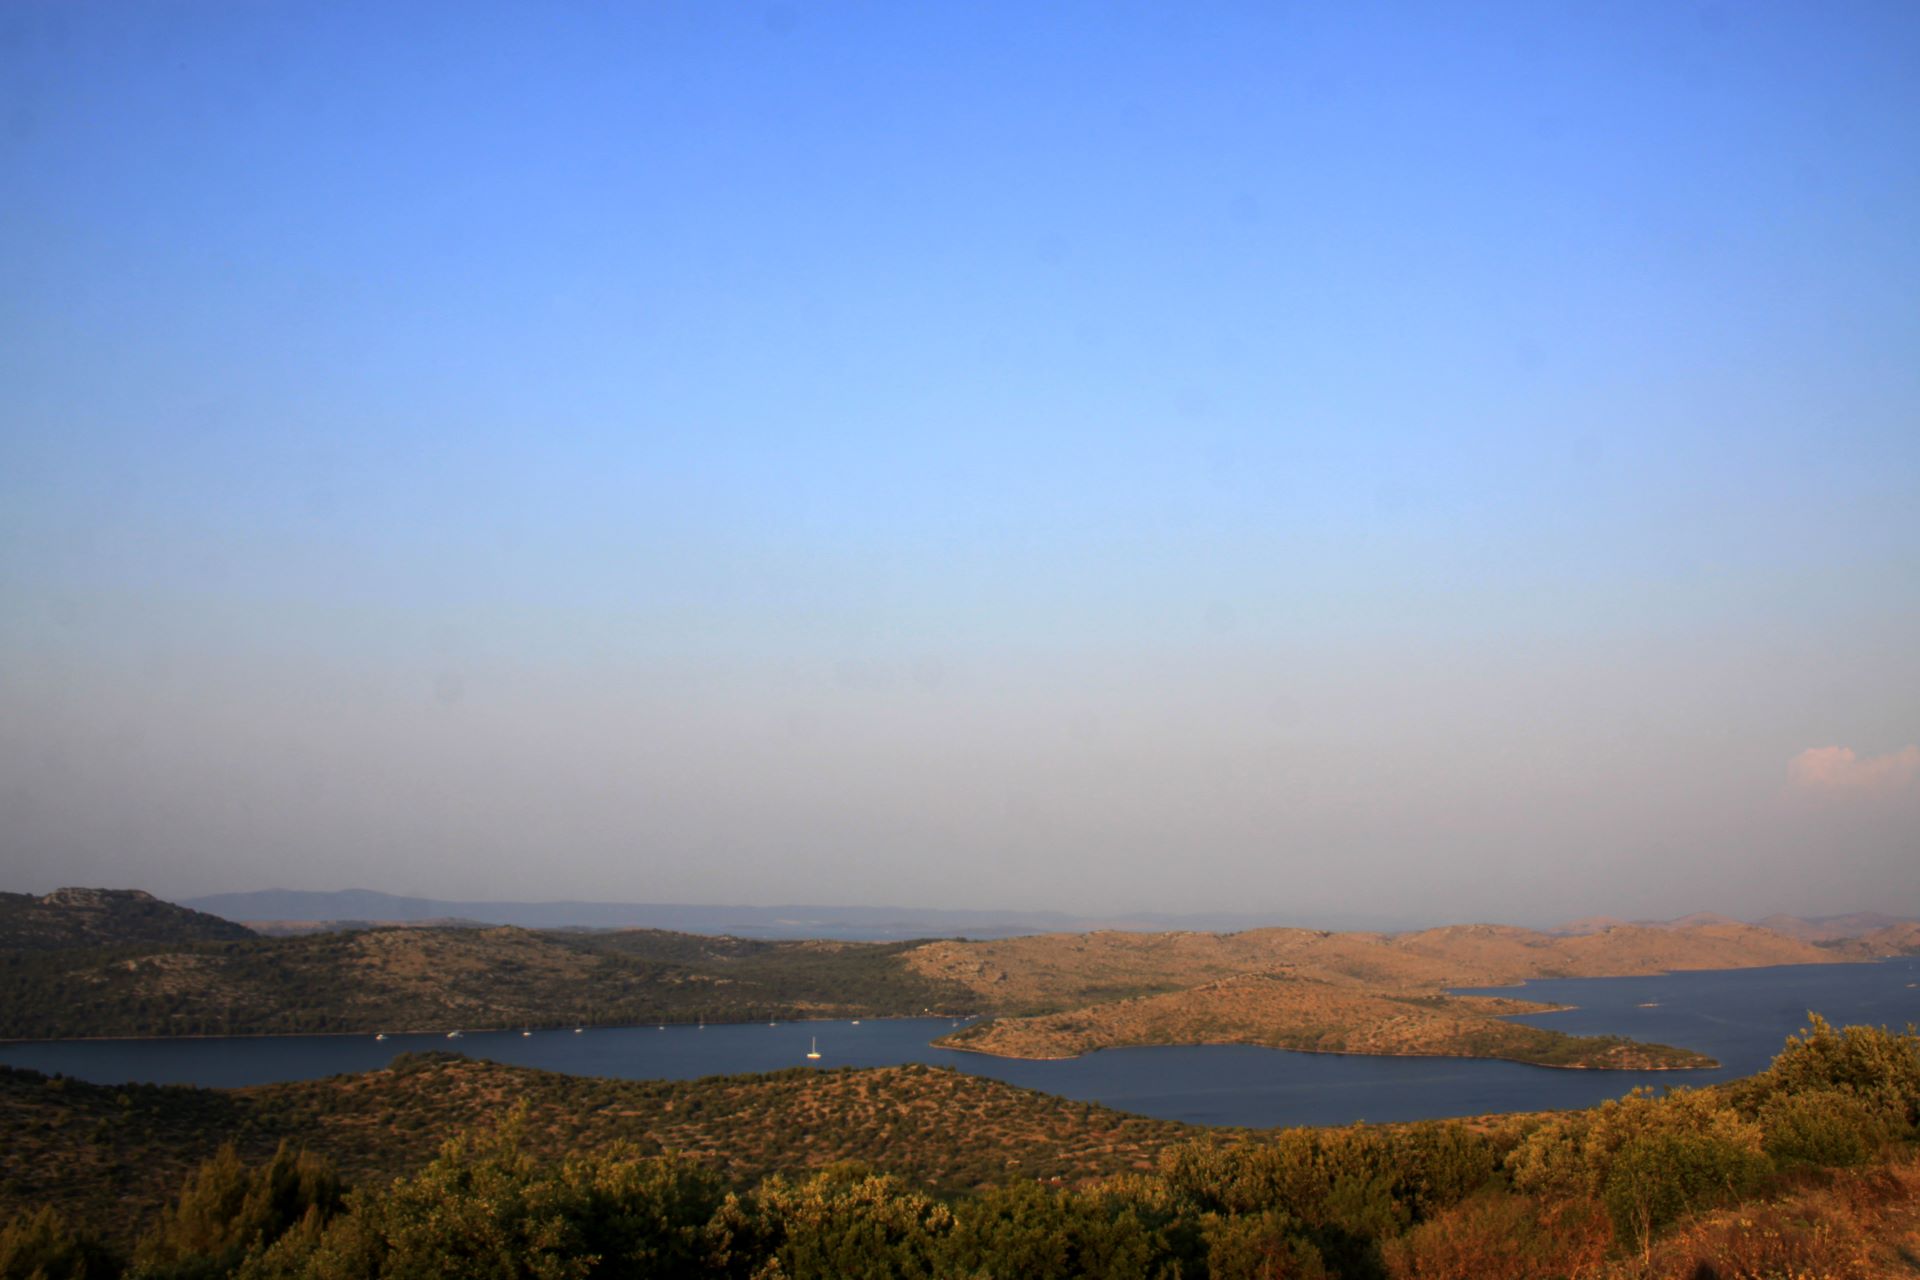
{"x": 42, "y": 1245}
{"x": 840, "y": 1224}
{"x": 1872, "y": 1063}
{"x": 226, "y": 1210}
{"x": 1828, "y": 1127}
{"x": 486, "y": 1208}
{"x": 1023, "y": 1229}
{"x": 1656, "y": 1178}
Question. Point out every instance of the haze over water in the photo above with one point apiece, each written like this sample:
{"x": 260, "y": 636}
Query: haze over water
{"x": 1445, "y": 464}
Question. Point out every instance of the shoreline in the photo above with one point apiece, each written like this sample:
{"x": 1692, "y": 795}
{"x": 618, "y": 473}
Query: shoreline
{"x": 566, "y": 1029}
{"x": 1710, "y": 1064}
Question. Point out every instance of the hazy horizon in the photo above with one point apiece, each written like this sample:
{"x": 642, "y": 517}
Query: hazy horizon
{"x": 1096, "y": 459}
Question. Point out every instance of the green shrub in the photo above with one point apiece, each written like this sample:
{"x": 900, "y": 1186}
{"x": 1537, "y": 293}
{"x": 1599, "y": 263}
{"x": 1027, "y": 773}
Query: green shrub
{"x": 840, "y": 1223}
{"x": 226, "y": 1210}
{"x": 1023, "y": 1229}
{"x": 1872, "y": 1063}
{"x": 1831, "y": 1127}
{"x": 43, "y": 1246}
{"x": 1259, "y": 1246}
{"x": 1656, "y": 1178}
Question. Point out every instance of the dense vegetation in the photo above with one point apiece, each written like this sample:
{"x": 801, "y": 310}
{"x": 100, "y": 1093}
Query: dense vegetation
{"x": 85, "y": 1148}
{"x": 1805, "y": 1170}
{"x": 437, "y": 979}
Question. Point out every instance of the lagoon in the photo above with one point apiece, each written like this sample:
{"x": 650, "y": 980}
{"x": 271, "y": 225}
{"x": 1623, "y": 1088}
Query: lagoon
{"x": 1740, "y": 1017}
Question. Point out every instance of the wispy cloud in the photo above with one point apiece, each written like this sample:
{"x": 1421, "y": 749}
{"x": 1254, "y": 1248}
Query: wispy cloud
{"x": 1844, "y": 769}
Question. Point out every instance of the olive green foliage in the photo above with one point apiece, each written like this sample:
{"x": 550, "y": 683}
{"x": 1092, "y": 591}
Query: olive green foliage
{"x": 1878, "y": 1066}
{"x": 1334, "y": 1192}
{"x": 841, "y": 1222}
{"x": 1361, "y": 1177}
{"x": 1656, "y": 1178}
{"x": 1270, "y": 1245}
{"x": 1027, "y": 1230}
{"x": 486, "y": 1208}
{"x": 1830, "y": 1127}
{"x": 227, "y": 1211}
{"x": 43, "y": 1245}
{"x": 1576, "y": 1154}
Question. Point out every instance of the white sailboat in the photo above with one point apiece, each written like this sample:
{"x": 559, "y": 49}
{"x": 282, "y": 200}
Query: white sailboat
{"x": 815, "y": 1051}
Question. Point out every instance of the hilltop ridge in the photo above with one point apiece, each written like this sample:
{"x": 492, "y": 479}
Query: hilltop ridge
{"x": 77, "y": 917}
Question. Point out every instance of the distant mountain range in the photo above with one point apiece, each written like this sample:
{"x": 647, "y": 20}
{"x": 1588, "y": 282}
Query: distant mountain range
{"x": 299, "y": 910}
{"x": 285, "y": 911}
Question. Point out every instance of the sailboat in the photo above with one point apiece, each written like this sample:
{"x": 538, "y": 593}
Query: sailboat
{"x": 815, "y": 1051}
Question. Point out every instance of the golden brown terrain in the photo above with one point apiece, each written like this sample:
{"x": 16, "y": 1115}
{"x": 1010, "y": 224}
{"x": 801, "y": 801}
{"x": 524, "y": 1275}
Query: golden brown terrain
{"x": 1067, "y": 994}
{"x": 1305, "y": 1014}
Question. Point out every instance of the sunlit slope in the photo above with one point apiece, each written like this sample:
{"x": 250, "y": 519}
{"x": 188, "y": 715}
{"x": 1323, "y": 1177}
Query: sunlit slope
{"x": 1320, "y": 1017}
{"x": 1066, "y": 994}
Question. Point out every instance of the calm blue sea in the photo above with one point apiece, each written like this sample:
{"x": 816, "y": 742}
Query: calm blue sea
{"x": 1740, "y": 1017}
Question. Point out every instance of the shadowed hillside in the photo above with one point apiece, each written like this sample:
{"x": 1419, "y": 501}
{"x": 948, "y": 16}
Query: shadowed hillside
{"x": 419, "y": 979}
{"x": 69, "y": 918}
{"x": 95, "y": 1148}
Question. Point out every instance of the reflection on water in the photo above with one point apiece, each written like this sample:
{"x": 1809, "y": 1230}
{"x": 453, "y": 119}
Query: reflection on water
{"x": 1739, "y": 1017}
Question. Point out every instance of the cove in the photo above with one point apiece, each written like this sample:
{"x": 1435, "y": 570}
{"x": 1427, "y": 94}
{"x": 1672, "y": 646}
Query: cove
{"x": 1740, "y": 1017}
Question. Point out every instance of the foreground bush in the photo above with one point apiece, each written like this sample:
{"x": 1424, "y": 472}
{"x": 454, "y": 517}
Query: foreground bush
{"x": 1504, "y": 1237}
{"x": 488, "y": 1209}
{"x": 43, "y": 1246}
{"x": 1879, "y": 1067}
{"x": 839, "y": 1223}
{"x": 227, "y": 1211}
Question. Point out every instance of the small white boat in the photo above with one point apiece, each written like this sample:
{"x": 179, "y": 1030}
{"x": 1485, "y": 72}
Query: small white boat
{"x": 856, "y": 1022}
{"x": 526, "y": 1033}
{"x": 453, "y": 1035}
{"x": 1649, "y": 1004}
{"x": 814, "y": 1052}
{"x": 578, "y": 1030}
{"x": 381, "y": 1036}
{"x": 661, "y": 1027}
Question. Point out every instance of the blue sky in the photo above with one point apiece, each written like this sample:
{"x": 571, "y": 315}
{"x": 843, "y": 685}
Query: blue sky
{"x": 1087, "y": 455}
